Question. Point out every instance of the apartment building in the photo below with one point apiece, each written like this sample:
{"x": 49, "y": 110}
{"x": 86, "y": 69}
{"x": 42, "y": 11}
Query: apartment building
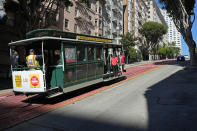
{"x": 139, "y": 16}
{"x": 173, "y": 34}
{"x": 83, "y": 18}
{"x": 113, "y": 20}
{"x": 135, "y": 15}
{"x": 154, "y": 14}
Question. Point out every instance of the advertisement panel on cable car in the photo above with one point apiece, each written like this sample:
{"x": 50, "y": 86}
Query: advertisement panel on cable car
{"x": 28, "y": 81}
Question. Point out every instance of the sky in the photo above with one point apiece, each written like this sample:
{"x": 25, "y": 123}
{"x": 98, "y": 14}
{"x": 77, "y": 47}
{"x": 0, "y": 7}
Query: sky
{"x": 1, "y": 12}
{"x": 194, "y": 32}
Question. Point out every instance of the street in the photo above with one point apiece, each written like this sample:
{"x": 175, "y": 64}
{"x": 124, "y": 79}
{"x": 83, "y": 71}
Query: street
{"x": 159, "y": 100}
{"x": 86, "y": 65}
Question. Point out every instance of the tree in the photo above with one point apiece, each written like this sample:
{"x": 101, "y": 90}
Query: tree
{"x": 132, "y": 54}
{"x": 127, "y": 41}
{"x": 163, "y": 52}
{"x": 153, "y": 33}
{"x": 169, "y": 51}
{"x": 33, "y": 14}
{"x": 183, "y": 15}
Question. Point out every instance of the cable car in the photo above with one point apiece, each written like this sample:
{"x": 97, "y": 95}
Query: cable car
{"x": 67, "y": 62}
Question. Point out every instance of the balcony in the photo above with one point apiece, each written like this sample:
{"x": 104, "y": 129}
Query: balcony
{"x": 114, "y": 33}
{"x": 115, "y": 9}
{"x": 108, "y": 6}
{"x": 115, "y": 16}
{"x": 115, "y": 21}
{"x": 139, "y": 14}
{"x": 79, "y": 18}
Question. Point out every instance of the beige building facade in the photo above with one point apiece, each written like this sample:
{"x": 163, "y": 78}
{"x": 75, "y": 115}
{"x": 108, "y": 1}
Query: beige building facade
{"x": 154, "y": 14}
{"x": 82, "y": 18}
{"x": 135, "y": 15}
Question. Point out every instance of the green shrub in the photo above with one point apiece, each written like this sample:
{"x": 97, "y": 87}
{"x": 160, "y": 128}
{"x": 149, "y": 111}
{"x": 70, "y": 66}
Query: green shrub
{"x": 139, "y": 55}
{"x": 132, "y": 54}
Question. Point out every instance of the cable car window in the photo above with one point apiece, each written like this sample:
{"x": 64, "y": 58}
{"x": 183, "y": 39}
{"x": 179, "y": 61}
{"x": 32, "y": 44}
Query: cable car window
{"x": 99, "y": 53}
{"x": 90, "y": 53}
{"x": 57, "y": 57}
{"x": 81, "y": 53}
{"x": 69, "y": 54}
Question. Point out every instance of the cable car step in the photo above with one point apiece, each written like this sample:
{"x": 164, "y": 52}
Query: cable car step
{"x": 53, "y": 92}
{"x": 54, "y": 95}
{"x": 53, "y": 88}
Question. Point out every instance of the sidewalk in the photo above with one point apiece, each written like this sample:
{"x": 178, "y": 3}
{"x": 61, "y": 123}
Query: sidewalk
{"x": 145, "y": 62}
{"x": 5, "y": 85}
{"x": 138, "y": 63}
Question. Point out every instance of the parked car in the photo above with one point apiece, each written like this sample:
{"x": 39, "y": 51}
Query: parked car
{"x": 180, "y": 58}
{"x": 186, "y": 57}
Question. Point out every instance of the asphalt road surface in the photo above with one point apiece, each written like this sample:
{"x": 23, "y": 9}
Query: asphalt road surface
{"x": 140, "y": 104}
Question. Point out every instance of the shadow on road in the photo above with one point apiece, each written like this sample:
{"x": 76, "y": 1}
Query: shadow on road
{"x": 172, "y": 103}
{"x": 42, "y": 100}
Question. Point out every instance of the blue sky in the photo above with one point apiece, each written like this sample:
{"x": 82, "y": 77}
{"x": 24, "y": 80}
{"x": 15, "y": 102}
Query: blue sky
{"x": 194, "y": 31}
{"x": 1, "y": 12}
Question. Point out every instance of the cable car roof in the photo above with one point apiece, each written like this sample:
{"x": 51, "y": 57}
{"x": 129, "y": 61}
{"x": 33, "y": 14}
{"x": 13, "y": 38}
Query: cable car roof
{"x": 64, "y": 40}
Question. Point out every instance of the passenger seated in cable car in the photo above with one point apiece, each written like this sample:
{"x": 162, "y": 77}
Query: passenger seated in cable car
{"x": 14, "y": 58}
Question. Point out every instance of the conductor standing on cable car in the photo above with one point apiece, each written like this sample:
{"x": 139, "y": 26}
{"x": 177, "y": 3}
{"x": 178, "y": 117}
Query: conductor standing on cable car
{"x": 32, "y": 59}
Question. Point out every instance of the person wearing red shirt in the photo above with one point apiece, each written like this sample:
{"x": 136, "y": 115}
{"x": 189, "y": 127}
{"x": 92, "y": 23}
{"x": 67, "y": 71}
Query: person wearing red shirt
{"x": 114, "y": 61}
{"x": 122, "y": 61}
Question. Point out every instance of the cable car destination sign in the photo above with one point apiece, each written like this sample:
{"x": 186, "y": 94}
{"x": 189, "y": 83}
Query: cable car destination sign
{"x": 93, "y": 39}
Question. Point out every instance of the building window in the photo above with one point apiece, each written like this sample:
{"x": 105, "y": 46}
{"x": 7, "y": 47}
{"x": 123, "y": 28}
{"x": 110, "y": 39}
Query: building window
{"x": 67, "y": 8}
{"x": 89, "y": 32}
{"x": 90, "y": 18}
{"x": 99, "y": 10}
{"x": 100, "y": 24}
{"x": 66, "y": 24}
{"x": 91, "y": 6}
{"x": 75, "y": 28}
{"x": 96, "y": 22}
{"x": 76, "y": 12}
